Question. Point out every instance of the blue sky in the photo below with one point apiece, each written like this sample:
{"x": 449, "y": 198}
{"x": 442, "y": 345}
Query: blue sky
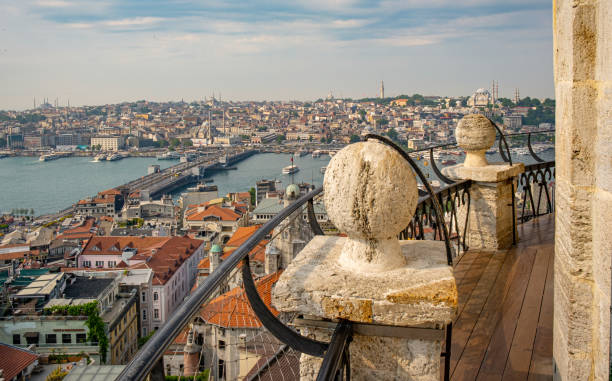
{"x": 107, "y": 51}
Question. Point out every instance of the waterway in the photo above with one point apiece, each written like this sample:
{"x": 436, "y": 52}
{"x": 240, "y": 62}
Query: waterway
{"x": 48, "y": 187}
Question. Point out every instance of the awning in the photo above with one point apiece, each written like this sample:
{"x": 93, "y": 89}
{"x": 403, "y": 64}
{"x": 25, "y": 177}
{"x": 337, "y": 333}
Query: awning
{"x": 31, "y": 335}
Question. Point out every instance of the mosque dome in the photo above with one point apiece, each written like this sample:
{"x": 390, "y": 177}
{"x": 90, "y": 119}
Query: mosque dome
{"x": 215, "y": 249}
{"x": 292, "y": 191}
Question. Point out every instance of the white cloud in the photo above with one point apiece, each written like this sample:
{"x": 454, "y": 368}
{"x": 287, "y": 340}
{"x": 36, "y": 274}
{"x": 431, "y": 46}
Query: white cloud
{"x": 352, "y": 23}
{"x": 53, "y": 3}
{"x": 132, "y": 22}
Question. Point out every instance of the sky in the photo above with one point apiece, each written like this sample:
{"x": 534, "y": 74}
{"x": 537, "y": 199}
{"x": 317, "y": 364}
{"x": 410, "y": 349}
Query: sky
{"x": 92, "y": 52}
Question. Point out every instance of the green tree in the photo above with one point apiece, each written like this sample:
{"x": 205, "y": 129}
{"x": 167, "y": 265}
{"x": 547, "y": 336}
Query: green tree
{"x": 355, "y": 138}
{"x": 280, "y": 138}
{"x": 322, "y": 139}
{"x": 174, "y": 142}
{"x": 252, "y": 192}
{"x": 187, "y": 143}
{"x": 362, "y": 114}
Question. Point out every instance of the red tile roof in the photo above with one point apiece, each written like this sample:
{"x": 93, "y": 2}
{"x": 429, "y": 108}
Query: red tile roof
{"x": 241, "y": 235}
{"x": 224, "y": 214}
{"x": 163, "y": 255}
{"x": 232, "y": 309}
{"x": 13, "y": 360}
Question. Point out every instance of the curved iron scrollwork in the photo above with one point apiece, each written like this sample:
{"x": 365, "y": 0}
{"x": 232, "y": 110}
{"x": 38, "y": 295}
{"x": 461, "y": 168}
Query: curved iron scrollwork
{"x": 531, "y": 151}
{"x": 312, "y": 219}
{"x": 434, "y": 166}
{"x": 455, "y": 201}
{"x": 437, "y": 209}
{"x": 272, "y": 324}
{"x": 537, "y": 178}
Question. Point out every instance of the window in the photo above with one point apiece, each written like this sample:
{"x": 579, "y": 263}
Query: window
{"x": 221, "y": 367}
{"x": 144, "y": 331}
{"x": 86, "y": 263}
{"x": 155, "y": 296}
{"x": 144, "y": 314}
{"x": 16, "y": 339}
{"x": 66, "y": 338}
{"x": 81, "y": 338}
{"x": 51, "y": 338}
{"x": 31, "y": 338}
{"x": 144, "y": 297}
{"x": 99, "y": 263}
{"x": 221, "y": 344}
{"x": 112, "y": 263}
{"x": 156, "y": 313}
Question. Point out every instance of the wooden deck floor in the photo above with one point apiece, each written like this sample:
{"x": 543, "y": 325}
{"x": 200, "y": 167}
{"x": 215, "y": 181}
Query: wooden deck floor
{"x": 503, "y": 330}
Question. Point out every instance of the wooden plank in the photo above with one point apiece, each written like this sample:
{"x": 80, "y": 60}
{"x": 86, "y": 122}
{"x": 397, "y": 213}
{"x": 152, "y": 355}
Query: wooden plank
{"x": 497, "y": 351}
{"x": 471, "y": 359}
{"x": 471, "y": 280}
{"x": 462, "y": 267}
{"x": 519, "y": 358}
{"x": 541, "y": 359}
{"x": 466, "y": 321}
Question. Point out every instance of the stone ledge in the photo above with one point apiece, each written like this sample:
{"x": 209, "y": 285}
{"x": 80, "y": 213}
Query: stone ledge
{"x": 421, "y": 293}
{"x": 492, "y": 173}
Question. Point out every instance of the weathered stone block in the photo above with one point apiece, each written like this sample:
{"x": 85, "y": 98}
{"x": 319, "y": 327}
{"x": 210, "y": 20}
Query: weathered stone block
{"x": 423, "y": 291}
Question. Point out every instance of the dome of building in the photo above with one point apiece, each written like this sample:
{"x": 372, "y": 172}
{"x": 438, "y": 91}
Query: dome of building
{"x": 292, "y": 191}
{"x": 216, "y": 249}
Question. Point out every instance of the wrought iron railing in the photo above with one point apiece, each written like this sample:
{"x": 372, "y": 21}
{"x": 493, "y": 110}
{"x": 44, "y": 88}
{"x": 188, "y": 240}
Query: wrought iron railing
{"x": 536, "y": 191}
{"x": 441, "y": 215}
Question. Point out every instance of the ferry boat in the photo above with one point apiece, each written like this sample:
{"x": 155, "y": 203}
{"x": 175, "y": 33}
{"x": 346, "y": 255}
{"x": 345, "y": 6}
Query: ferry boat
{"x": 169, "y": 156}
{"x": 316, "y": 154}
{"x": 288, "y": 170}
{"x": 49, "y": 157}
{"x": 114, "y": 157}
{"x": 301, "y": 152}
{"x": 99, "y": 158}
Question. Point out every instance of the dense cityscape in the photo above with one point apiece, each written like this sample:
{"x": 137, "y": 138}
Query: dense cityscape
{"x": 126, "y": 257}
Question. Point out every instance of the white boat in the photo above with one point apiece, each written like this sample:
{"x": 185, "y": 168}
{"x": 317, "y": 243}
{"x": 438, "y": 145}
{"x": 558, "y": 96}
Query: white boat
{"x": 290, "y": 169}
{"x": 99, "y": 158}
{"x": 49, "y": 157}
{"x": 114, "y": 157}
{"x": 301, "y": 152}
{"x": 316, "y": 153}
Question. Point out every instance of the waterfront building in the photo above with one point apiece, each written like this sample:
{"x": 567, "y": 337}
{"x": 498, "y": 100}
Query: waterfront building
{"x": 108, "y": 143}
{"x": 513, "y": 122}
{"x": 106, "y": 203}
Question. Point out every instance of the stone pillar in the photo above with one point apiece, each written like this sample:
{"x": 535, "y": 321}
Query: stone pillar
{"x": 490, "y": 223}
{"x": 370, "y": 277}
{"x": 582, "y": 33}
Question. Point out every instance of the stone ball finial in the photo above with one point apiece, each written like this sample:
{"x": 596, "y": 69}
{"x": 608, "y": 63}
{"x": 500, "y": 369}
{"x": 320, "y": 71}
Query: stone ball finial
{"x": 475, "y": 134}
{"x": 371, "y": 195}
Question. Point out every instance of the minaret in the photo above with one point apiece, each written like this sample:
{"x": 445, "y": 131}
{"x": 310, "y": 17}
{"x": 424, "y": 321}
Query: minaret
{"x": 382, "y": 89}
{"x": 517, "y": 96}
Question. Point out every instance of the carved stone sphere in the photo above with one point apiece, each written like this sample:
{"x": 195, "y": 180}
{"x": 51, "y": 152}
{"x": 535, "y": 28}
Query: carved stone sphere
{"x": 370, "y": 191}
{"x": 475, "y": 134}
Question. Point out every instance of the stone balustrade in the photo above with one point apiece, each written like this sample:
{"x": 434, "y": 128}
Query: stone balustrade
{"x": 370, "y": 277}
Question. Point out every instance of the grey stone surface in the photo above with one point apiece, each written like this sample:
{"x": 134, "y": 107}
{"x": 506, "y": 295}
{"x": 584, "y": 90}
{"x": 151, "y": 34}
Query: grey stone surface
{"x": 421, "y": 292}
{"x": 371, "y": 195}
{"x": 492, "y": 173}
{"x": 490, "y": 221}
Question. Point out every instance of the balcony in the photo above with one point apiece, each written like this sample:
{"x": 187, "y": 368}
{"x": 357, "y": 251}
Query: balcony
{"x": 501, "y": 328}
